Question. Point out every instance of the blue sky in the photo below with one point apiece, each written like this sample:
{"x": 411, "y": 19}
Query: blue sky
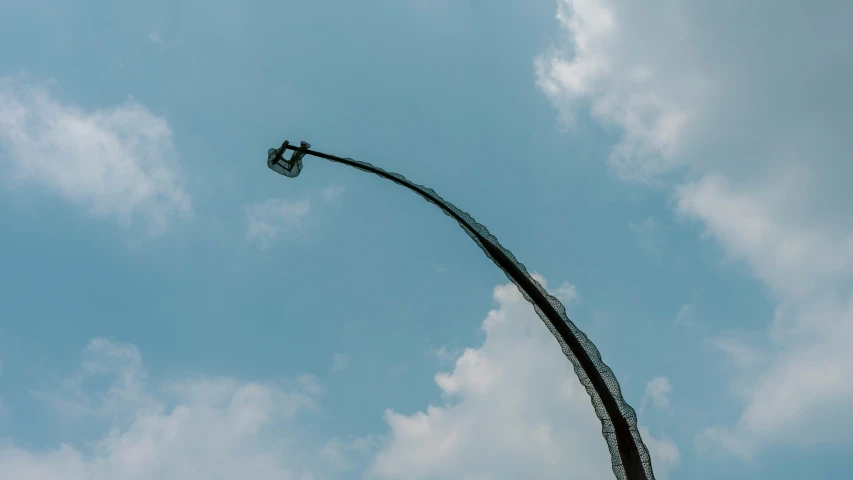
{"x": 173, "y": 309}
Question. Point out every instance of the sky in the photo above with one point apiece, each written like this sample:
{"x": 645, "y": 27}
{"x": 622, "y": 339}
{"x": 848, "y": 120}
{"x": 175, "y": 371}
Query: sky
{"x": 673, "y": 171}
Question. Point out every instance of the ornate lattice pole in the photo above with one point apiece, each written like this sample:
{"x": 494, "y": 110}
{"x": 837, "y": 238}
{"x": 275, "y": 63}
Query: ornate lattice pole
{"x": 629, "y": 456}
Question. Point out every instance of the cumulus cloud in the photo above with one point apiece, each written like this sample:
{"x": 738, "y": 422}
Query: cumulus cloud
{"x": 755, "y": 147}
{"x": 566, "y": 292}
{"x": 513, "y": 408}
{"x": 270, "y": 219}
{"x": 201, "y": 428}
{"x": 657, "y": 391}
{"x": 116, "y": 162}
{"x": 621, "y": 86}
{"x": 121, "y": 364}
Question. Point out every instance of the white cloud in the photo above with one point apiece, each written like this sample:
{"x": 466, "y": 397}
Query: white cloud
{"x": 567, "y": 292}
{"x": 339, "y": 456}
{"x": 202, "y": 428}
{"x": 621, "y": 86}
{"x": 801, "y": 395}
{"x": 117, "y": 162}
{"x": 792, "y": 257}
{"x": 270, "y": 219}
{"x": 664, "y": 453}
{"x": 658, "y": 390}
{"x": 757, "y": 120}
{"x": 121, "y": 364}
{"x": 513, "y": 409}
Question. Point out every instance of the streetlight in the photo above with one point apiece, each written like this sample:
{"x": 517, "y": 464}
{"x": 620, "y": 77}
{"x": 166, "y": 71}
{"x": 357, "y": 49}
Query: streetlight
{"x": 629, "y": 456}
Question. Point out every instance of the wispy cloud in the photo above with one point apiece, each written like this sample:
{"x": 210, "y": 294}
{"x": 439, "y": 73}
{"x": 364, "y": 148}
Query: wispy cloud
{"x": 685, "y": 316}
{"x": 156, "y": 38}
{"x": 268, "y": 220}
{"x": 339, "y": 362}
{"x": 188, "y": 429}
{"x": 116, "y": 162}
{"x": 738, "y": 350}
{"x": 333, "y": 193}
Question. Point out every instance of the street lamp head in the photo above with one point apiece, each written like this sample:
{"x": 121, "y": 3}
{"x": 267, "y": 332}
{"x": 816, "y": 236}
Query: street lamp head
{"x": 289, "y": 167}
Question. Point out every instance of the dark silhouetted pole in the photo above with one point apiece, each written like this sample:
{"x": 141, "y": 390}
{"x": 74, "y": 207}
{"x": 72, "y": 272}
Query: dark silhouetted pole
{"x": 629, "y": 457}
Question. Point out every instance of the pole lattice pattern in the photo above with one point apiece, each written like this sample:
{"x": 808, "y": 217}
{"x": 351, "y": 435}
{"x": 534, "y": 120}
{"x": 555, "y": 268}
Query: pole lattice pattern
{"x": 629, "y": 455}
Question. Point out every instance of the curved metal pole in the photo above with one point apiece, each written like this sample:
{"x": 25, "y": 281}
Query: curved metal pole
{"x": 630, "y": 450}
